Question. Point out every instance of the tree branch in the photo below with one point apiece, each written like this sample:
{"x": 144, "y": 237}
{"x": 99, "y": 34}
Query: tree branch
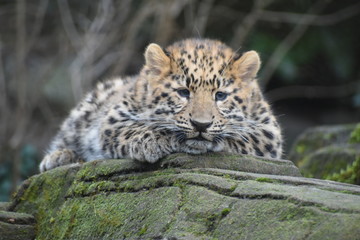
{"x": 319, "y": 20}
{"x": 248, "y": 23}
{"x": 16, "y": 138}
{"x": 40, "y": 14}
{"x": 4, "y": 108}
{"x": 310, "y": 92}
{"x": 68, "y": 24}
{"x": 203, "y": 16}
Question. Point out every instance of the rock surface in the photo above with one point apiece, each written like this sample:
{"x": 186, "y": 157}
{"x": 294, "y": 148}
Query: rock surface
{"x": 329, "y": 152}
{"x": 16, "y": 226}
{"x": 212, "y": 196}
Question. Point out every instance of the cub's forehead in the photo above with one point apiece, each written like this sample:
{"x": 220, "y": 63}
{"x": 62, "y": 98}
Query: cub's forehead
{"x": 202, "y": 60}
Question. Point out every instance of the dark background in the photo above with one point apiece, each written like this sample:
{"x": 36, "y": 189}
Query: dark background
{"x": 54, "y": 51}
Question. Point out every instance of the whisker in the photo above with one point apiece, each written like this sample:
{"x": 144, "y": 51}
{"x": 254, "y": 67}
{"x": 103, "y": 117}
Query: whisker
{"x": 235, "y": 135}
{"x": 180, "y": 137}
{"x": 218, "y": 139}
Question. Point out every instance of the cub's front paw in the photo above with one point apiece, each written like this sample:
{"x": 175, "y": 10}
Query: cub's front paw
{"x": 146, "y": 152}
{"x": 58, "y": 158}
{"x": 150, "y": 150}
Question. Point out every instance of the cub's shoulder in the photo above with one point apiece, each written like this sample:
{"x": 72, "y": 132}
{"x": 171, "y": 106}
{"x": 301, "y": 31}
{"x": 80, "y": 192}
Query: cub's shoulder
{"x": 110, "y": 90}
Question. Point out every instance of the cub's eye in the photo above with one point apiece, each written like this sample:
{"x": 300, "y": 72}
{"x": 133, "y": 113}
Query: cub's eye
{"x": 183, "y": 92}
{"x": 220, "y": 96}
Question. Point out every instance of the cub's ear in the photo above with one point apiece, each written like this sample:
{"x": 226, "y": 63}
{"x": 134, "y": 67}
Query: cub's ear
{"x": 157, "y": 61}
{"x": 247, "y": 65}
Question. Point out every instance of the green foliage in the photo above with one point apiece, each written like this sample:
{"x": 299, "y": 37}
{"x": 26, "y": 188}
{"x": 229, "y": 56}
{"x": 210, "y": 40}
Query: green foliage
{"x": 300, "y": 148}
{"x": 355, "y": 135}
{"x": 349, "y": 175}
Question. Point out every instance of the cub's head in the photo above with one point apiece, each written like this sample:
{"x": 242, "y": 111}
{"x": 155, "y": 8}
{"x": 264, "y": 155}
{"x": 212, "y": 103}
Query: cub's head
{"x": 205, "y": 89}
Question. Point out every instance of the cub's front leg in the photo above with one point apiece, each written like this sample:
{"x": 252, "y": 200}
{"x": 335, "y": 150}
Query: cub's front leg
{"x": 141, "y": 141}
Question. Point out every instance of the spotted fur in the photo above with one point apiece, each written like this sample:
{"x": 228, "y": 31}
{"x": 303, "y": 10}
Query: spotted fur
{"x": 195, "y": 96}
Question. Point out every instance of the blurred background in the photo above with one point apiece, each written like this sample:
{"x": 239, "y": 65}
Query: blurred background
{"x": 54, "y": 51}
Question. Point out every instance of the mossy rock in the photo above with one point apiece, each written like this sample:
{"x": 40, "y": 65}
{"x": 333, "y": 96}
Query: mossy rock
{"x": 326, "y": 152}
{"x": 212, "y": 196}
{"x": 316, "y": 138}
{"x": 349, "y": 175}
{"x": 16, "y": 226}
{"x": 327, "y": 161}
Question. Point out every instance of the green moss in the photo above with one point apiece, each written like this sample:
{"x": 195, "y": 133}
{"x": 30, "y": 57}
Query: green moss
{"x": 355, "y": 135}
{"x": 80, "y": 188}
{"x": 143, "y": 230}
{"x": 101, "y": 186}
{"x": 44, "y": 196}
{"x": 228, "y": 176}
{"x": 291, "y": 214}
{"x": 264, "y": 179}
{"x": 351, "y": 174}
{"x": 212, "y": 220}
{"x": 270, "y": 219}
{"x": 98, "y": 169}
{"x": 225, "y": 212}
{"x": 349, "y": 192}
{"x": 105, "y": 217}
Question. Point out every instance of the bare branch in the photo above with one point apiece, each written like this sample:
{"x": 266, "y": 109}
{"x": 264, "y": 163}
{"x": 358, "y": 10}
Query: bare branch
{"x": 104, "y": 63}
{"x": 40, "y": 14}
{"x": 202, "y": 16}
{"x": 3, "y": 100}
{"x": 321, "y": 20}
{"x": 16, "y": 138}
{"x": 20, "y": 50}
{"x": 311, "y": 92}
{"x": 293, "y": 18}
{"x": 164, "y": 21}
{"x": 132, "y": 30}
{"x": 68, "y": 23}
{"x": 80, "y": 70}
{"x": 20, "y": 73}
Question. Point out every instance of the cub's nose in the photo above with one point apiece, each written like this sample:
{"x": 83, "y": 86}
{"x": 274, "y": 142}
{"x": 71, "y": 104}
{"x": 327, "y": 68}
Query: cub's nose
{"x": 200, "y": 126}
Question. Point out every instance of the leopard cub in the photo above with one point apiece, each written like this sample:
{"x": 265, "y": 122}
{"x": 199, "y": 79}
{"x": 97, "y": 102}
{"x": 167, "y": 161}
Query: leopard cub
{"x": 195, "y": 96}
